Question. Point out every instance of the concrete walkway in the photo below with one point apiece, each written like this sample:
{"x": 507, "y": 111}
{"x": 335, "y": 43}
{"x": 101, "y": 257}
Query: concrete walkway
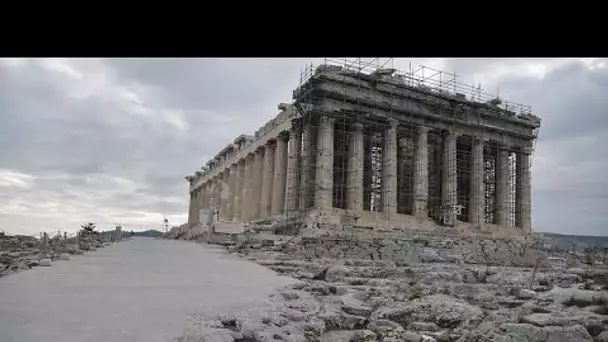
{"x": 139, "y": 290}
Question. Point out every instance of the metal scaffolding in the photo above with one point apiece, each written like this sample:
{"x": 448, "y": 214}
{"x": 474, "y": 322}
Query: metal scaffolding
{"x": 327, "y": 129}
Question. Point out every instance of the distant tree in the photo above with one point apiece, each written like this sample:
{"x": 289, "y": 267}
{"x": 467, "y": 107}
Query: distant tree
{"x": 88, "y": 228}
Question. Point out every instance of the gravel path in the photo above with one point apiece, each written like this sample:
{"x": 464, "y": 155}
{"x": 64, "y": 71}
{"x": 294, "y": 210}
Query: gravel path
{"x": 139, "y": 290}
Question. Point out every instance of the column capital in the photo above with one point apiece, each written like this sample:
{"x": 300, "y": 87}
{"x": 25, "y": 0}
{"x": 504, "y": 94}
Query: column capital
{"x": 296, "y": 124}
{"x": 527, "y": 150}
{"x": 357, "y": 126}
{"x": 294, "y": 132}
{"x": 283, "y": 135}
{"x": 502, "y": 146}
{"x": 479, "y": 138}
{"x": 423, "y": 129}
{"x": 450, "y": 135}
{"x": 392, "y": 122}
{"x": 271, "y": 143}
{"x": 328, "y": 119}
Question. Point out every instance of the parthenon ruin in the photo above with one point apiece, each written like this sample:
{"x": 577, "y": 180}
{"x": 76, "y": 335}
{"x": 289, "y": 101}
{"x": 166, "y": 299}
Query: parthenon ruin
{"x": 374, "y": 147}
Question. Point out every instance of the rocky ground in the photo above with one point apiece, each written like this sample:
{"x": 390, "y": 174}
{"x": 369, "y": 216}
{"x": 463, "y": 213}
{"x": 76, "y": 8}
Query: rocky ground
{"x": 21, "y": 252}
{"x": 443, "y": 290}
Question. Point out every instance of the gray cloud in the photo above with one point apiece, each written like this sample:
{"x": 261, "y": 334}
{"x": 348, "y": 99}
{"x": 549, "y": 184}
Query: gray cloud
{"x": 109, "y": 141}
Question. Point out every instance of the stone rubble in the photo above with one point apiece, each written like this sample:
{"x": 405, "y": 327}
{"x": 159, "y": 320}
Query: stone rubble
{"x": 21, "y": 252}
{"x": 420, "y": 289}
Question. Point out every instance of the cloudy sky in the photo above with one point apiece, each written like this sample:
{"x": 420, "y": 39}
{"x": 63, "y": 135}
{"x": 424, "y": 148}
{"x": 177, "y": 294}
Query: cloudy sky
{"x": 110, "y": 140}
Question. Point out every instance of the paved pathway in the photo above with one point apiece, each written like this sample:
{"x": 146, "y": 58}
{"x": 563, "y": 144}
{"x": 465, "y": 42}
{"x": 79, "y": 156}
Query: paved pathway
{"x": 139, "y": 290}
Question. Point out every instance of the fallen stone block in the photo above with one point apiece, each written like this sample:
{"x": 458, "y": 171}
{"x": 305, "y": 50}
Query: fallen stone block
{"x": 339, "y": 320}
{"x": 364, "y": 336}
{"x": 386, "y": 329}
{"x": 526, "y": 294}
{"x": 424, "y": 326}
{"x": 355, "y": 307}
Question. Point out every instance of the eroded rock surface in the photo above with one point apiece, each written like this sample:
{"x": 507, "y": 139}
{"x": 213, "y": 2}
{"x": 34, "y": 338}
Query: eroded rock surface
{"x": 388, "y": 291}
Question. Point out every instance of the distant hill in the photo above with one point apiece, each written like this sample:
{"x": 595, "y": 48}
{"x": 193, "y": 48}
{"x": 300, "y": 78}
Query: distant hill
{"x": 580, "y": 241}
{"x": 149, "y": 233}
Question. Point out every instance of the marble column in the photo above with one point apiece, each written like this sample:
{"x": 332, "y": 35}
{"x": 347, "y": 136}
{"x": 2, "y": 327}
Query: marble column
{"x": 232, "y": 185}
{"x": 523, "y": 194}
{"x": 218, "y": 180}
{"x": 502, "y": 186}
{"x": 203, "y": 197}
{"x": 248, "y": 188}
{"x": 354, "y": 200}
{"x": 292, "y": 185}
{"x": 191, "y": 209}
{"x": 199, "y": 203}
{"x": 210, "y": 200}
{"x": 449, "y": 186}
{"x": 279, "y": 175}
{"x": 324, "y": 181}
{"x": 258, "y": 166}
{"x": 389, "y": 169}
{"x": 421, "y": 173}
{"x": 476, "y": 196}
{"x": 306, "y": 188}
{"x": 267, "y": 177}
{"x": 238, "y": 191}
{"x": 225, "y": 195}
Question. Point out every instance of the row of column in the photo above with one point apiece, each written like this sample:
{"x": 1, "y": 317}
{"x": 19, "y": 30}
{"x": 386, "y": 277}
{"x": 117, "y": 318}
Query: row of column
{"x": 276, "y": 178}
{"x": 255, "y": 187}
{"x": 323, "y": 185}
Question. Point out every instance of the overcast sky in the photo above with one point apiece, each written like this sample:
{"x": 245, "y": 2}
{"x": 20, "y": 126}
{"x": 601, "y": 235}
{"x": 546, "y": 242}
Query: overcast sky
{"x": 110, "y": 141}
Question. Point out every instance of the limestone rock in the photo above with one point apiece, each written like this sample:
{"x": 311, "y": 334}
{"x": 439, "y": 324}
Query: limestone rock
{"x": 336, "y": 319}
{"x": 355, "y": 307}
{"x": 443, "y": 310}
{"x": 336, "y": 273}
{"x": 409, "y": 336}
{"x": 446, "y": 311}
{"x": 561, "y": 295}
{"x": 578, "y": 271}
{"x": 400, "y": 315}
{"x": 386, "y": 329}
{"x": 575, "y": 333}
{"x": 603, "y": 337}
{"x": 338, "y": 336}
{"x": 424, "y": 326}
{"x": 526, "y": 332}
{"x": 526, "y": 294}
{"x": 364, "y": 336}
